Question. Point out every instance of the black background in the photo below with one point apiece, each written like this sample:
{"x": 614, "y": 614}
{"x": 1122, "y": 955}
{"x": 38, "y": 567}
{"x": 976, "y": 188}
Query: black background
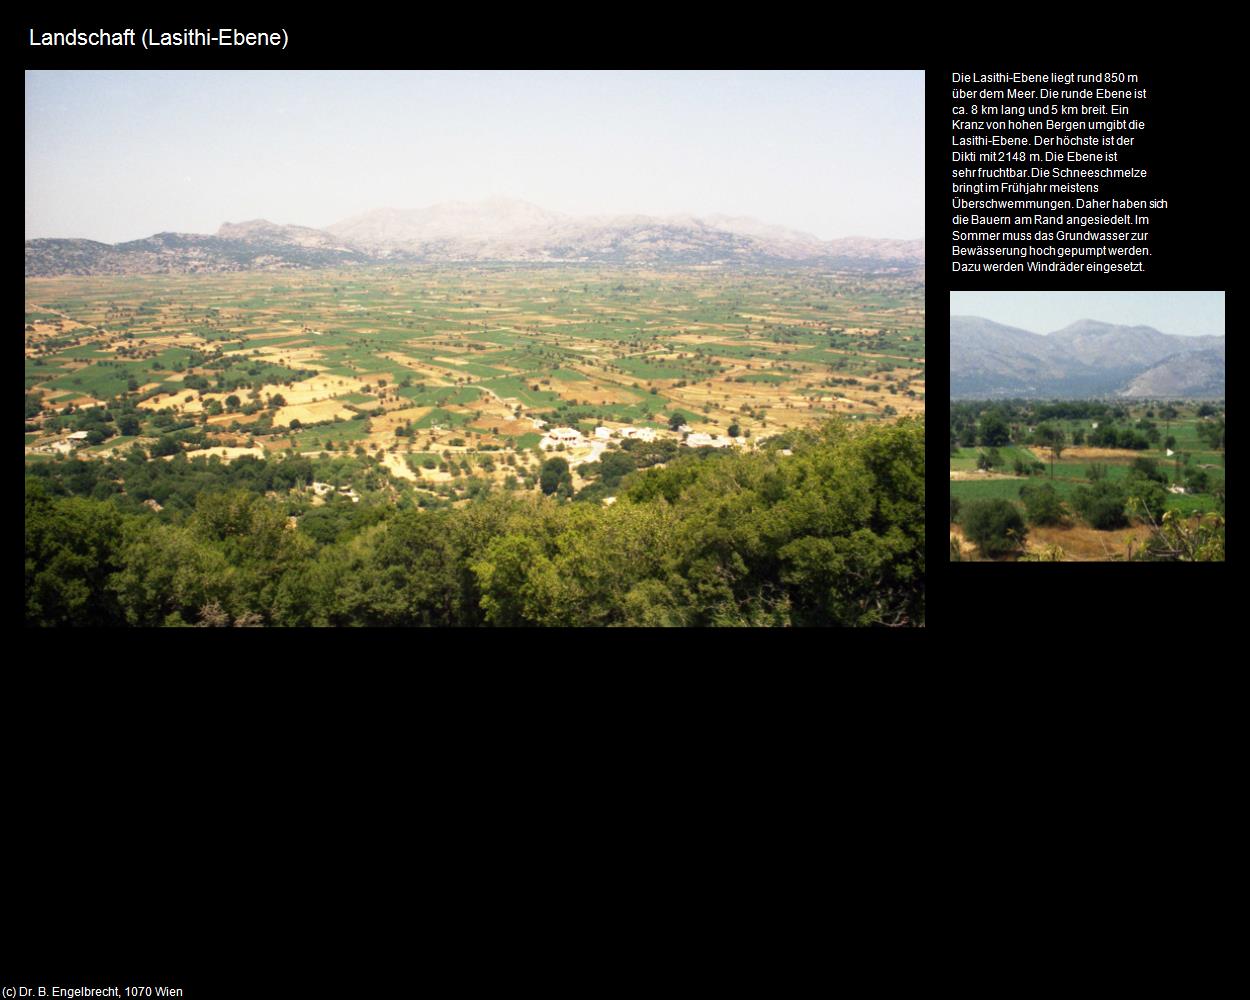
{"x": 1100, "y": 607}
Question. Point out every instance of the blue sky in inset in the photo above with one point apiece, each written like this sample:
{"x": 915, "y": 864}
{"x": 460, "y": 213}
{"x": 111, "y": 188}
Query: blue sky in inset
{"x": 115, "y": 156}
{"x": 1186, "y": 314}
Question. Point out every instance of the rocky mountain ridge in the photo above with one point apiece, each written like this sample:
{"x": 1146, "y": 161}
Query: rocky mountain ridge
{"x": 502, "y": 230}
{"x": 1087, "y": 358}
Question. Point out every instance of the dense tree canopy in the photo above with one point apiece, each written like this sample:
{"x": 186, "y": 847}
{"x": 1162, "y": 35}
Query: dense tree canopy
{"x": 994, "y": 430}
{"x": 832, "y": 534}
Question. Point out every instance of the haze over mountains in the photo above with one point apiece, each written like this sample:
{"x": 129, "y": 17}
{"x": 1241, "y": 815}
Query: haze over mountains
{"x": 989, "y": 360}
{"x": 500, "y": 229}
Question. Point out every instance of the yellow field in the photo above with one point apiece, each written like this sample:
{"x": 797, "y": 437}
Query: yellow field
{"x": 463, "y": 342}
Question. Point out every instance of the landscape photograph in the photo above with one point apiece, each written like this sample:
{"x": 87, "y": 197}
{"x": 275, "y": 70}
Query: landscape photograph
{"x": 1087, "y": 426}
{"x": 474, "y": 349}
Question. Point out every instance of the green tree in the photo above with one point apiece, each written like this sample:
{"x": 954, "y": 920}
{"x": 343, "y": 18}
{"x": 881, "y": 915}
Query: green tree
{"x": 1147, "y": 468}
{"x": 995, "y": 433}
{"x": 994, "y": 526}
{"x": 1145, "y": 494}
{"x": 988, "y": 460}
{"x": 1054, "y": 440}
{"x": 1212, "y": 432}
{"x": 1102, "y": 504}
{"x": 166, "y": 444}
{"x": 555, "y": 472}
{"x": 73, "y": 545}
{"x": 1041, "y": 503}
{"x": 168, "y": 576}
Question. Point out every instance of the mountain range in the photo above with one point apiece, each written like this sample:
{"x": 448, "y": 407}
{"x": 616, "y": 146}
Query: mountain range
{"x": 499, "y": 229}
{"x": 1088, "y": 358}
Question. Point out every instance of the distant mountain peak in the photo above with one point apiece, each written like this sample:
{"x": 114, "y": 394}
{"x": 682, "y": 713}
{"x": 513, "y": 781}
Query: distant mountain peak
{"x": 493, "y": 229}
{"x": 1085, "y": 358}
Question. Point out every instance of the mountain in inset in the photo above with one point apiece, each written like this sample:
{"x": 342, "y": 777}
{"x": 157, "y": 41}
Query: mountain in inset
{"x": 1086, "y": 358}
{"x": 1199, "y": 374}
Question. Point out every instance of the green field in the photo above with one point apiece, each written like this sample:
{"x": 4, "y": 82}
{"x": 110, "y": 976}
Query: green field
{"x": 966, "y": 459}
{"x": 474, "y": 355}
{"x": 1071, "y": 471}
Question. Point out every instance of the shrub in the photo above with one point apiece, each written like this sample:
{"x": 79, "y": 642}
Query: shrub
{"x": 1042, "y": 503}
{"x": 1147, "y": 468}
{"x": 1147, "y": 499}
{"x": 1102, "y": 504}
{"x": 989, "y": 459}
{"x": 995, "y": 526}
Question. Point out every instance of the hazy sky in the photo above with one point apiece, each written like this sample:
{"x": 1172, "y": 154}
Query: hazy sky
{"x": 1186, "y": 314}
{"x": 115, "y": 156}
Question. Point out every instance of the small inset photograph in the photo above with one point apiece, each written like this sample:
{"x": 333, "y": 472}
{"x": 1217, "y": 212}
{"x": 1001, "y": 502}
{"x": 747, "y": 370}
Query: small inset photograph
{"x": 1087, "y": 426}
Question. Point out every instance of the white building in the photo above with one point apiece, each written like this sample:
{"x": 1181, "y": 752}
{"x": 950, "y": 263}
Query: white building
{"x": 603, "y": 433}
{"x": 67, "y": 443}
{"x": 640, "y": 433}
{"x": 567, "y": 436}
{"x": 701, "y": 440}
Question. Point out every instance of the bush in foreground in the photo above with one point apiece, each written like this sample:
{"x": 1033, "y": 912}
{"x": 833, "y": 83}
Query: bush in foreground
{"x": 995, "y": 526}
{"x": 1102, "y": 504}
{"x": 1042, "y": 504}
